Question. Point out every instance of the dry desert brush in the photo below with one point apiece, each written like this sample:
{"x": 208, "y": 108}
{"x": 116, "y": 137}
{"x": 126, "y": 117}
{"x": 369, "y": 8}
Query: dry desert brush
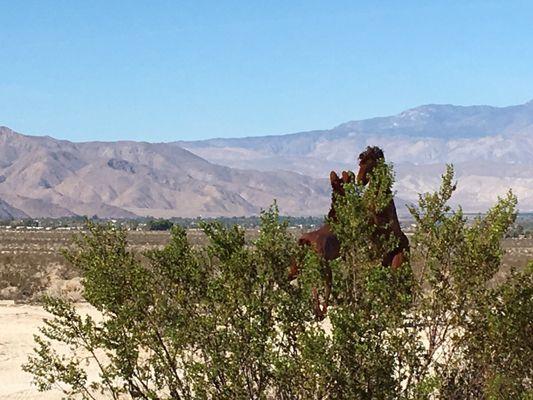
{"x": 224, "y": 322}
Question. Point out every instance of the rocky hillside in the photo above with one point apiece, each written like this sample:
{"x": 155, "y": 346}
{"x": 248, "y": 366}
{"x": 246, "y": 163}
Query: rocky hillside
{"x": 9, "y": 212}
{"x": 42, "y": 176}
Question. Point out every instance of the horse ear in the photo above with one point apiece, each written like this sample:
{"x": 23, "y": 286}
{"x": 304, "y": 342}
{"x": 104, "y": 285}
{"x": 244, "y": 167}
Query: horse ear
{"x": 346, "y": 177}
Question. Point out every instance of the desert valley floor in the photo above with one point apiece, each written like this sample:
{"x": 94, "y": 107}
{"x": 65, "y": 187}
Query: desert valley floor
{"x": 31, "y": 263}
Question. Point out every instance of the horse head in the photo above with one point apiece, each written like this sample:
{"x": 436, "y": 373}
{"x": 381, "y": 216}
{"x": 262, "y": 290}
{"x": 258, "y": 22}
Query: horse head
{"x": 368, "y": 159}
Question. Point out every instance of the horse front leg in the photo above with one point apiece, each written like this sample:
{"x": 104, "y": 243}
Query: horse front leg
{"x": 328, "y": 279}
{"x": 398, "y": 260}
{"x": 293, "y": 270}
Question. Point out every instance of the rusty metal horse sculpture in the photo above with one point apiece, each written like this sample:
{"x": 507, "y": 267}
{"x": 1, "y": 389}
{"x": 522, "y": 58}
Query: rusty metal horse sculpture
{"x": 386, "y": 220}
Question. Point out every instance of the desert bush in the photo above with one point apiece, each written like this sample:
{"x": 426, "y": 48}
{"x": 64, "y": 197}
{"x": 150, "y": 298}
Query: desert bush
{"x": 223, "y": 322}
{"x": 159, "y": 225}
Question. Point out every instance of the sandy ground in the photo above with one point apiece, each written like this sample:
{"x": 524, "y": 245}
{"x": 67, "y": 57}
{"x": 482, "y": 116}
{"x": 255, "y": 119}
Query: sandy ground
{"x": 18, "y": 325}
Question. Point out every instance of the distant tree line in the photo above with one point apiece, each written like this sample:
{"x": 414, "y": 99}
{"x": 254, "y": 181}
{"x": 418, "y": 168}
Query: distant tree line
{"x": 523, "y": 227}
{"x": 156, "y": 224}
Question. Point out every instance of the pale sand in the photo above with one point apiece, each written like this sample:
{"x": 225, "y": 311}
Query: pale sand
{"x": 18, "y": 325}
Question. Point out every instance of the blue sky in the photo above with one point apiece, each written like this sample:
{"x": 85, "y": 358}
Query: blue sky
{"x": 170, "y": 70}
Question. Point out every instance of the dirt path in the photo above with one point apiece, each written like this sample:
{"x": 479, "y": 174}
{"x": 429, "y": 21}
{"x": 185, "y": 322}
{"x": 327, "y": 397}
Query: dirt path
{"x": 18, "y": 324}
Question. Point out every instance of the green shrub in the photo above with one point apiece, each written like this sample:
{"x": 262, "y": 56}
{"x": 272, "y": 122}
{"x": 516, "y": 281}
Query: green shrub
{"x": 159, "y": 224}
{"x": 224, "y": 322}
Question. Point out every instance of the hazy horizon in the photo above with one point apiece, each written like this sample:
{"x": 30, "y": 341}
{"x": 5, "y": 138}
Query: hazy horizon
{"x": 37, "y": 134}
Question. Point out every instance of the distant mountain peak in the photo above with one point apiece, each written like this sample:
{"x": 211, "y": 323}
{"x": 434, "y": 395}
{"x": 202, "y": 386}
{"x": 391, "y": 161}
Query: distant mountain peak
{"x": 492, "y": 148}
{"x": 418, "y": 113}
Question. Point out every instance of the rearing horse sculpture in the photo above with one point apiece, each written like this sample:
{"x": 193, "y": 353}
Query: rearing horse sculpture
{"x": 385, "y": 220}
{"x": 326, "y": 244}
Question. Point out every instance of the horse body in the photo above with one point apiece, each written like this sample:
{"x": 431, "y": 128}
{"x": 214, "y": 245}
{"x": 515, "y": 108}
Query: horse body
{"x": 323, "y": 241}
{"x": 396, "y": 257}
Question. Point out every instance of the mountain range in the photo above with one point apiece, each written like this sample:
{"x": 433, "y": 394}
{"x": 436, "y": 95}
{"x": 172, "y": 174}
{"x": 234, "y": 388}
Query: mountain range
{"x": 491, "y": 148}
{"x": 46, "y": 177}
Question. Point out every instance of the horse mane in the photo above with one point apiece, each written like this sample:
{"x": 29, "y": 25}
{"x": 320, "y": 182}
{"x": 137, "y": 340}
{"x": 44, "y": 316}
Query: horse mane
{"x": 371, "y": 153}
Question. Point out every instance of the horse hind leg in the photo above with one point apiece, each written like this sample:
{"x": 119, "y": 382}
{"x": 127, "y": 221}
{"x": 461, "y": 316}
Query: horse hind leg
{"x": 327, "y": 288}
{"x": 321, "y": 310}
{"x": 330, "y": 250}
